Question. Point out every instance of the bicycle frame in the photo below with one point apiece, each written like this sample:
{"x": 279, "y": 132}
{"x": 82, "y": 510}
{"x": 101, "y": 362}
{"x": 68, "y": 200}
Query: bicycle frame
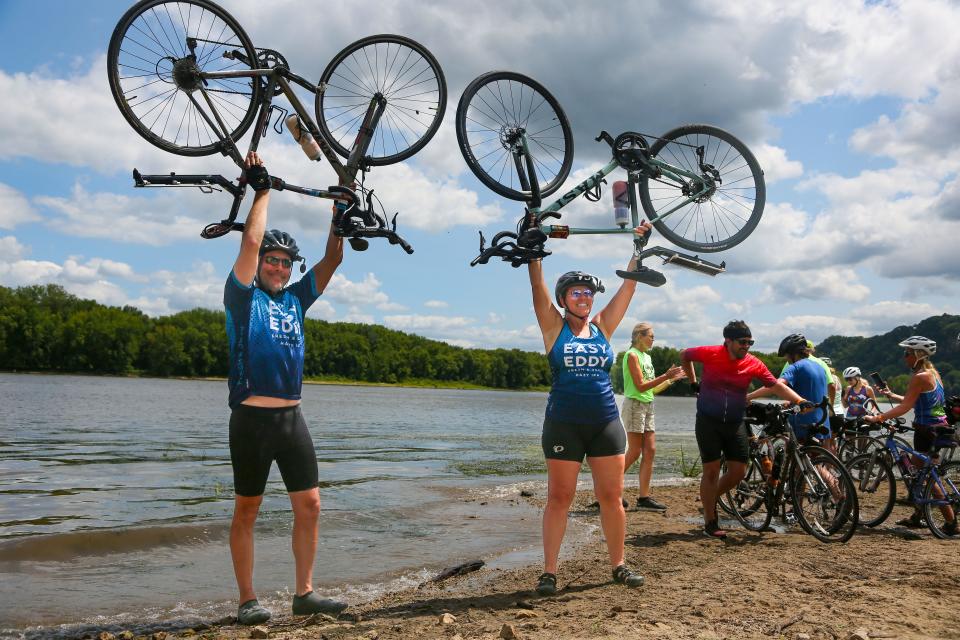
{"x": 926, "y": 473}
{"x": 273, "y": 79}
{"x": 536, "y": 214}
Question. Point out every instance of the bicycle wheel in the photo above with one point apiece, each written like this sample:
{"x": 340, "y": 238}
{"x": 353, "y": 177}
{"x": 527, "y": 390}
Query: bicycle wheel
{"x": 949, "y": 473}
{"x": 876, "y": 487}
{"x": 750, "y": 499}
{"x": 497, "y": 111}
{"x": 154, "y": 74}
{"x": 853, "y": 446}
{"x": 824, "y": 498}
{"x": 729, "y": 181}
{"x": 396, "y": 68}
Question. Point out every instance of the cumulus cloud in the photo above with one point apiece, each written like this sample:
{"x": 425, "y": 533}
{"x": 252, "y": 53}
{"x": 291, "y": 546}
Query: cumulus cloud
{"x": 775, "y": 163}
{"x": 14, "y": 208}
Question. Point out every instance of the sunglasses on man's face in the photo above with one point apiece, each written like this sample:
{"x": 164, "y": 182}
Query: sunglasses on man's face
{"x": 745, "y": 342}
{"x": 576, "y": 294}
{"x": 274, "y": 261}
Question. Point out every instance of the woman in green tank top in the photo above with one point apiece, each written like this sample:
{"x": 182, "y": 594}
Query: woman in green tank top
{"x": 639, "y": 385}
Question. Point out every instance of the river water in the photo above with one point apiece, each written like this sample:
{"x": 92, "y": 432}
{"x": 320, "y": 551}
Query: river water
{"x": 116, "y": 495}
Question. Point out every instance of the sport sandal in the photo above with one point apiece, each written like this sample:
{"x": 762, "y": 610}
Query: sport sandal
{"x": 547, "y": 584}
{"x": 712, "y": 530}
{"x": 625, "y": 575}
{"x": 250, "y": 612}
{"x": 915, "y": 521}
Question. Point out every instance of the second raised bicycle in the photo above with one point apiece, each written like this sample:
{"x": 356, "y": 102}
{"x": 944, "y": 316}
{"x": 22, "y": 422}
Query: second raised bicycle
{"x": 700, "y": 187}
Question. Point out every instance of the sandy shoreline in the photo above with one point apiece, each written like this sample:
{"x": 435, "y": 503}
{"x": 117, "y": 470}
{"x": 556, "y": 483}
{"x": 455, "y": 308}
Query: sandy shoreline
{"x": 888, "y": 583}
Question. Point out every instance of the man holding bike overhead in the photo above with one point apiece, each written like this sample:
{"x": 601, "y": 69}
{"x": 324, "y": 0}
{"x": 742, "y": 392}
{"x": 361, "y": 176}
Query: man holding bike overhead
{"x": 728, "y": 370}
{"x": 265, "y": 328}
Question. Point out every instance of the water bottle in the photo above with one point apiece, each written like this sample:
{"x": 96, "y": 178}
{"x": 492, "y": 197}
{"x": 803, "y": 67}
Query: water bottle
{"x": 621, "y": 204}
{"x": 307, "y": 143}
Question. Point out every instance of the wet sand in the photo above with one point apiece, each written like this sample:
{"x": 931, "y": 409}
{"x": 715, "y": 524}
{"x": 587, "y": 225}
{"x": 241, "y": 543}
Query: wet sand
{"x": 885, "y": 583}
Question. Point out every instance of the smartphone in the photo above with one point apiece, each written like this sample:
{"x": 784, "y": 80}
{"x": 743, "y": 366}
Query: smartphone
{"x": 877, "y": 380}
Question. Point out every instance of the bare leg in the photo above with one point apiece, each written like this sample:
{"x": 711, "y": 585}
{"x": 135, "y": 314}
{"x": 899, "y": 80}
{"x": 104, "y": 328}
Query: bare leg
{"x": 306, "y": 513}
{"x": 607, "y": 474}
{"x": 245, "y": 510}
{"x": 712, "y": 484}
{"x": 649, "y": 448}
{"x": 634, "y": 449}
{"x": 561, "y": 488}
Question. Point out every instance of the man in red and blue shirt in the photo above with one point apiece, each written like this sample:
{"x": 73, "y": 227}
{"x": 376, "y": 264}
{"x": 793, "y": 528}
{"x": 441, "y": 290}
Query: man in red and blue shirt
{"x": 728, "y": 370}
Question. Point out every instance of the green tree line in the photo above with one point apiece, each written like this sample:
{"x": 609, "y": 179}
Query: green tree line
{"x": 44, "y": 328}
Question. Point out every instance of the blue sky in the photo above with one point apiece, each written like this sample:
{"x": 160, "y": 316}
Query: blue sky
{"x": 852, "y": 108}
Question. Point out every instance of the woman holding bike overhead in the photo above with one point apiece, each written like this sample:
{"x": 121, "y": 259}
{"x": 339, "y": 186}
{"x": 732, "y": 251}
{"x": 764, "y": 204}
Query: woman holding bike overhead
{"x": 926, "y": 397}
{"x": 581, "y": 417}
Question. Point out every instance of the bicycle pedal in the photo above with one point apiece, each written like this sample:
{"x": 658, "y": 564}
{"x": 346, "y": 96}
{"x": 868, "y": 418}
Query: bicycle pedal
{"x": 646, "y": 275}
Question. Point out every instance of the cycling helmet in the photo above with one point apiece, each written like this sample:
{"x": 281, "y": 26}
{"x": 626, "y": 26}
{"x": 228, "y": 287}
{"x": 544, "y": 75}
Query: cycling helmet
{"x": 918, "y": 343}
{"x": 276, "y": 240}
{"x": 852, "y": 372}
{"x": 793, "y": 343}
{"x": 572, "y": 279}
{"x": 827, "y": 361}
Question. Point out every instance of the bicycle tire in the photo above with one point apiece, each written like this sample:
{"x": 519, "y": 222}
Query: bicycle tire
{"x": 493, "y": 110}
{"x": 153, "y": 33}
{"x": 750, "y": 499}
{"x": 949, "y": 473}
{"x": 736, "y": 205}
{"x": 401, "y": 70}
{"x": 840, "y": 513}
{"x": 876, "y": 488}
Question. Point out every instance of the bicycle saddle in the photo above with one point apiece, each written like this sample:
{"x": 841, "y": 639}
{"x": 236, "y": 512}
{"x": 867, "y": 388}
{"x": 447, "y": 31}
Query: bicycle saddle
{"x": 646, "y": 275}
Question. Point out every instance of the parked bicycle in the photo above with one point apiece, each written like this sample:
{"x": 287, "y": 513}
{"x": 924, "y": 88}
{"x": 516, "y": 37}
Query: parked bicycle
{"x": 932, "y": 486}
{"x": 187, "y": 78}
{"x": 801, "y": 482}
{"x": 700, "y": 187}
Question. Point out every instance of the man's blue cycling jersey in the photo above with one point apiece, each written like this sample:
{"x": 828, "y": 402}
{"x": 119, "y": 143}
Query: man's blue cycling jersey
{"x": 266, "y": 338}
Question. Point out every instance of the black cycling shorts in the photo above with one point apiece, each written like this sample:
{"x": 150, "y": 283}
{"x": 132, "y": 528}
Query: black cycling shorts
{"x": 570, "y": 441}
{"x": 716, "y": 438}
{"x": 260, "y": 435}
{"x": 924, "y": 436}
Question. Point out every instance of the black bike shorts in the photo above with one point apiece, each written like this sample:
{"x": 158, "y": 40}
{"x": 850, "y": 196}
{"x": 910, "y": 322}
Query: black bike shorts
{"x": 570, "y": 441}
{"x": 716, "y": 438}
{"x": 260, "y": 435}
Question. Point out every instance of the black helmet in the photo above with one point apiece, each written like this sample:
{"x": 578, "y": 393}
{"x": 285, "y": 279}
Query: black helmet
{"x": 793, "y": 343}
{"x": 573, "y": 278}
{"x": 276, "y": 240}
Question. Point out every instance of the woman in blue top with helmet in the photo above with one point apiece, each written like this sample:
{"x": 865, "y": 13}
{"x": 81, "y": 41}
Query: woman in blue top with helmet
{"x": 582, "y": 419}
{"x": 926, "y": 397}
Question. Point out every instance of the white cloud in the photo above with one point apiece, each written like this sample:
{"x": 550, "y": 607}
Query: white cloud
{"x": 11, "y": 250}
{"x": 14, "y": 208}
{"x": 436, "y": 304}
{"x": 775, "y": 163}
{"x": 813, "y": 284}
{"x": 342, "y": 290}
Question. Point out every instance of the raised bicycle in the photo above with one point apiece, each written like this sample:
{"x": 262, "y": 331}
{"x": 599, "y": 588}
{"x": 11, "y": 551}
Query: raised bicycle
{"x": 188, "y": 79}
{"x": 699, "y": 186}
{"x": 933, "y": 487}
{"x": 782, "y": 472}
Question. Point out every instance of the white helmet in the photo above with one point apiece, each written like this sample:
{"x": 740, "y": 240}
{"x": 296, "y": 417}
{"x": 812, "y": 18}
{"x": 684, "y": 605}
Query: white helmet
{"x": 827, "y": 361}
{"x": 851, "y": 372}
{"x": 919, "y": 343}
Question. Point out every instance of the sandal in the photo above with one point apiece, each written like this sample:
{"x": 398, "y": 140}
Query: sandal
{"x": 547, "y": 584}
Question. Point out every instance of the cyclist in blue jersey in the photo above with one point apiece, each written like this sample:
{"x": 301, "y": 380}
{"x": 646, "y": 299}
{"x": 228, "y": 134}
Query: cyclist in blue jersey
{"x": 265, "y": 330}
{"x": 582, "y": 419}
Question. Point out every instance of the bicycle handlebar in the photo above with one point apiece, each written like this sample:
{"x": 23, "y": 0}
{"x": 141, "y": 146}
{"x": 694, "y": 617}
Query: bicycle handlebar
{"x": 510, "y": 247}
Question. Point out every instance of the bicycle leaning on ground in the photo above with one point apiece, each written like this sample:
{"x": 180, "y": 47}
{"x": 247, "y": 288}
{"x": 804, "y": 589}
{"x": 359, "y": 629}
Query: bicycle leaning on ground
{"x": 933, "y": 486}
{"x": 188, "y": 79}
{"x": 699, "y": 186}
{"x": 782, "y": 472}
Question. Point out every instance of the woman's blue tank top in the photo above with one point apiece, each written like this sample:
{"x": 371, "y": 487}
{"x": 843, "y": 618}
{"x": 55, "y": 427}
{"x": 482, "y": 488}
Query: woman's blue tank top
{"x": 581, "y": 391}
{"x": 930, "y": 408}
